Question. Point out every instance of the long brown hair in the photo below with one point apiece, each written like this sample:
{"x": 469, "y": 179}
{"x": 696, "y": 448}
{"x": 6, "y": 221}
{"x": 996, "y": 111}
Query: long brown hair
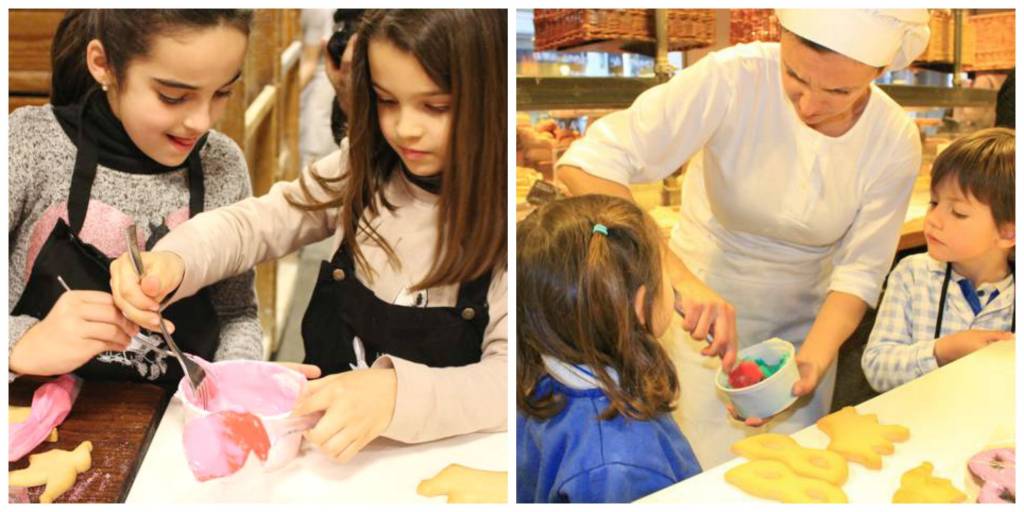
{"x": 982, "y": 164}
{"x": 575, "y": 290}
{"x": 463, "y": 51}
{"x": 125, "y": 34}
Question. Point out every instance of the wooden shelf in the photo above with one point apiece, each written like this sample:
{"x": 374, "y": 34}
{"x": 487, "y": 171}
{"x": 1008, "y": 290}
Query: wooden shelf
{"x": 543, "y": 93}
{"x": 28, "y": 50}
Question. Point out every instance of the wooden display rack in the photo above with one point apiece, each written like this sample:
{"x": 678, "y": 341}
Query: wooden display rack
{"x": 941, "y": 47}
{"x": 620, "y": 30}
{"x": 996, "y": 41}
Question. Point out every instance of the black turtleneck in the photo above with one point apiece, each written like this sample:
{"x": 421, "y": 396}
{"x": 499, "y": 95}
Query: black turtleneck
{"x": 431, "y": 184}
{"x": 114, "y": 147}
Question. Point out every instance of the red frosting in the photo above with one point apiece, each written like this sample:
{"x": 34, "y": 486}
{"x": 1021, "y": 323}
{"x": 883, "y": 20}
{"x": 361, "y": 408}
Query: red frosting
{"x": 747, "y": 373}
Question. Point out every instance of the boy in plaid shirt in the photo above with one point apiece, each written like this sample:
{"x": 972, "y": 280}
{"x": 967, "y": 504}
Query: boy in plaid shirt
{"x": 959, "y": 296}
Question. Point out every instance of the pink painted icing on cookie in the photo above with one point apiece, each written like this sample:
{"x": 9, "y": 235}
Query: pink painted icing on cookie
{"x": 994, "y": 493}
{"x": 996, "y": 468}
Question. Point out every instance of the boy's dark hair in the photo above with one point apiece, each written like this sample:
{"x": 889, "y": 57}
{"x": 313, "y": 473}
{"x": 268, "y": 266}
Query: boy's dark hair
{"x": 575, "y": 291}
{"x": 125, "y": 34}
{"x": 982, "y": 165}
{"x": 462, "y": 51}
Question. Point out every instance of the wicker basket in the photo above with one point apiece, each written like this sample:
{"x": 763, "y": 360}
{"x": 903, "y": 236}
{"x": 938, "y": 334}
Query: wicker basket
{"x": 940, "y": 45}
{"x": 614, "y": 30}
{"x": 995, "y": 39}
{"x": 748, "y": 25}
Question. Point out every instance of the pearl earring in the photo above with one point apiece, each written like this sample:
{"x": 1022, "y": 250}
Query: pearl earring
{"x": 104, "y": 87}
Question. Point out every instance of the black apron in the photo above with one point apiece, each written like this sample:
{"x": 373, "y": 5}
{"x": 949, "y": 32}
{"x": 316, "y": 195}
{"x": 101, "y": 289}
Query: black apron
{"x": 945, "y": 290}
{"x": 84, "y": 267}
{"x": 342, "y": 308}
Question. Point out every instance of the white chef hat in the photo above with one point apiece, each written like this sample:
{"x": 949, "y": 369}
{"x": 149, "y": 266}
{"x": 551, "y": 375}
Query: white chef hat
{"x": 890, "y": 38}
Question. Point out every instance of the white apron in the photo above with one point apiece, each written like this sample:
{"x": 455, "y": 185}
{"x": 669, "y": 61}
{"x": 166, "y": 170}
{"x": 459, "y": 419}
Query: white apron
{"x": 772, "y": 299}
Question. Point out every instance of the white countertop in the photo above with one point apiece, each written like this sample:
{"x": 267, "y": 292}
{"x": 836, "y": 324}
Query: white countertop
{"x": 385, "y": 471}
{"x": 952, "y": 413}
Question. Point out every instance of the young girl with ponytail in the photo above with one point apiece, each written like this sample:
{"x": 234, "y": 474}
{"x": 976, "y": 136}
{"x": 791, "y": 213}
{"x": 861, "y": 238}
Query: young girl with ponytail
{"x": 594, "y": 387}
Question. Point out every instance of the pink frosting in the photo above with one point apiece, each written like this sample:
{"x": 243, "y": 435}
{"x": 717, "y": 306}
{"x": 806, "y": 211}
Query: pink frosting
{"x": 995, "y": 493}
{"x": 242, "y": 396}
{"x": 51, "y": 403}
{"x": 218, "y": 444}
{"x": 996, "y": 468}
{"x": 255, "y": 387}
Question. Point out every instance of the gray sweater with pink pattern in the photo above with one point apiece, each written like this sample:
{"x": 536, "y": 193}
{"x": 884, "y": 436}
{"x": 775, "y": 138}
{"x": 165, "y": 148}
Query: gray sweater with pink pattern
{"x": 41, "y": 161}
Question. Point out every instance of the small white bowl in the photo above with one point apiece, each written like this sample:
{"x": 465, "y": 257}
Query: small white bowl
{"x": 773, "y": 394}
{"x": 283, "y": 430}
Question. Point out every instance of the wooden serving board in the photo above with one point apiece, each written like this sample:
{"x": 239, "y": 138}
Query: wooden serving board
{"x": 119, "y": 418}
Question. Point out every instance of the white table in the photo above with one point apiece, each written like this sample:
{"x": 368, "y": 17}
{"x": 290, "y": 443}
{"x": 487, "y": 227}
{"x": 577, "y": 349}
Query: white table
{"x": 952, "y": 413}
{"x": 385, "y": 471}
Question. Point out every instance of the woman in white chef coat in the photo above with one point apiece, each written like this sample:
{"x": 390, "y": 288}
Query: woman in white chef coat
{"x": 800, "y": 174}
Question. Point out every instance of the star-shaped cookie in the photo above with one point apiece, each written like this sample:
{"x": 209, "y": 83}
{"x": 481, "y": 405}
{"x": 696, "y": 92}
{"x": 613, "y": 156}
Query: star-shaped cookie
{"x": 860, "y": 438}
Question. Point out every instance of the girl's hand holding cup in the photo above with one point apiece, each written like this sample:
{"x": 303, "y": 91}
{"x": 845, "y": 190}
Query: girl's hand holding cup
{"x": 357, "y": 406}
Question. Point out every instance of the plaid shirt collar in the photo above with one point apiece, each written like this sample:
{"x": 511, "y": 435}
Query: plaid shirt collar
{"x": 1005, "y": 287}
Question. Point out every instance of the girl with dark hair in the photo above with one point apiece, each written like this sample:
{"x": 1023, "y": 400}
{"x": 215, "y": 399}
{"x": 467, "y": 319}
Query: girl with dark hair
{"x": 594, "y": 387}
{"x": 125, "y": 141}
{"x": 414, "y": 298}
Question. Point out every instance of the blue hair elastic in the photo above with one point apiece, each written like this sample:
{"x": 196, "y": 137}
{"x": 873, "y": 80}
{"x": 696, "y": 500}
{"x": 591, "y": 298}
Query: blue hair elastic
{"x": 601, "y": 228}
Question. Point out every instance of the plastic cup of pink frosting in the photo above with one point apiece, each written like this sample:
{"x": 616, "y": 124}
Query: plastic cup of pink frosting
{"x": 773, "y": 394}
{"x": 263, "y": 389}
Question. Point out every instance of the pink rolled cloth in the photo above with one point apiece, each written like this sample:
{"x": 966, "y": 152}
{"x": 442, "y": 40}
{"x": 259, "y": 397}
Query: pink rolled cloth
{"x": 51, "y": 403}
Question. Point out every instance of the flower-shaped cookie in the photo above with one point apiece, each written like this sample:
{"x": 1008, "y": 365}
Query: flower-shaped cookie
{"x": 860, "y": 438}
{"x": 773, "y": 480}
{"x": 810, "y": 462}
